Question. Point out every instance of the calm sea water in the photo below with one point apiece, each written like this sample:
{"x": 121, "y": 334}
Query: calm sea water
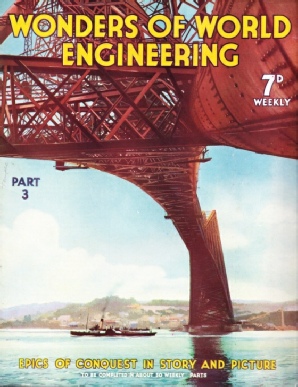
{"x": 53, "y": 345}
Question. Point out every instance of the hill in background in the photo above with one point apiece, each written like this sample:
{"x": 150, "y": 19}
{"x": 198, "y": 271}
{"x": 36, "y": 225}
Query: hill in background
{"x": 130, "y": 312}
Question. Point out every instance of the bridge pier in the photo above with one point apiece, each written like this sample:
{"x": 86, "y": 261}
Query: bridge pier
{"x": 134, "y": 132}
{"x": 173, "y": 186}
{"x": 210, "y": 310}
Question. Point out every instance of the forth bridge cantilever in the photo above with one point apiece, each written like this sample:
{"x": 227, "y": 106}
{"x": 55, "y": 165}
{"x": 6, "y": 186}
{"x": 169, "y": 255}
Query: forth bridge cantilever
{"x": 151, "y": 125}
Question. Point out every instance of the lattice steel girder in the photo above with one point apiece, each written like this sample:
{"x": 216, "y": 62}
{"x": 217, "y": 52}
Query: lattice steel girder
{"x": 182, "y": 149}
{"x": 38, "y": 122}
{"x": 173, "y": 186}
{"x": 19, "y": 7}
{"x": 144, "y": 11}
{"x": 84, "y": 104}
{"x": 127, "y": 123}
{"x": 168, "y": 174}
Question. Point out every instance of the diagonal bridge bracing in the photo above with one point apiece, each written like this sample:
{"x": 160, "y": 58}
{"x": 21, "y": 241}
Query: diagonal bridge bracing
{"x": 127, "y": 123}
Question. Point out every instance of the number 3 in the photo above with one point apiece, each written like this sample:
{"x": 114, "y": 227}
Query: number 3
{"x": 25, "y": 194}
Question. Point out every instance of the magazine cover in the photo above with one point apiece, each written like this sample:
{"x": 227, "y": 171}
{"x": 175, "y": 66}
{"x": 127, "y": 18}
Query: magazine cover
{"x": 148, "y": 185}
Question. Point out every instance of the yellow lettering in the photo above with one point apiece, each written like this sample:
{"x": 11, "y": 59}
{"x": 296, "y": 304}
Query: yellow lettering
{"x": 223, "y": 55}
{"x": 67, "y": 53}
{"x": 133, "y": 28}
{"x": 152, "y": 53}
{"x": 277, "y": 20}
{"x": 178, "y": 26}
{"x": 98, "y": 52}
{"x": 195, "y": 55}
{"x": 115, "y": 26}
{"x": 166, "y": 54}
{"x": 182, "y": 53}
{"x": 80, "y": 363}
{"x": 64, "y": 26}
{"x": 83, "y": 21}
{"x": 99, "y": 26}
{"x": 205, "y": 364}
{"x": 162, "y": 364}
{"x": 162, "y": 33}
{"x": 86, "y": 54}
{"x": 51, "y": 23}
{"x": 250, "y": 25}
{"x": 209, "y": 53}
{"x": 191, "y": 363}
{"x": 206, "y": 25}
{"x": 233, "y": 364}
{"x": 20, "y": 24}
{"x": 232, "y": 20}
{"x": 136, "y": 54}
{"x": 120, "y": 54}
{"x": 264, "y": 33}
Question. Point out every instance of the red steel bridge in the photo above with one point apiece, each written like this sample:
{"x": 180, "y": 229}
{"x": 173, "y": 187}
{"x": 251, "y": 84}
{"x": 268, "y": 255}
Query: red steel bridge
{"x": 150, "y": 125}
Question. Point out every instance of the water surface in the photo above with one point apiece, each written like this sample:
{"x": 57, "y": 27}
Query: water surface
{"x": 173, "y": 349}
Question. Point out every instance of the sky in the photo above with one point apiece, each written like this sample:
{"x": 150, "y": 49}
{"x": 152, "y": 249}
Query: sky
{"x": 85, "y": 234}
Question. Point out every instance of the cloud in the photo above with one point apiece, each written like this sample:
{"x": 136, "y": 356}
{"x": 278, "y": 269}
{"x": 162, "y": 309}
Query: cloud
{"x": 36, "y": 269}
{"x": 254, "y": 291}
{"x": 258, "y": 227}
{"x": 233, "y": 239}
